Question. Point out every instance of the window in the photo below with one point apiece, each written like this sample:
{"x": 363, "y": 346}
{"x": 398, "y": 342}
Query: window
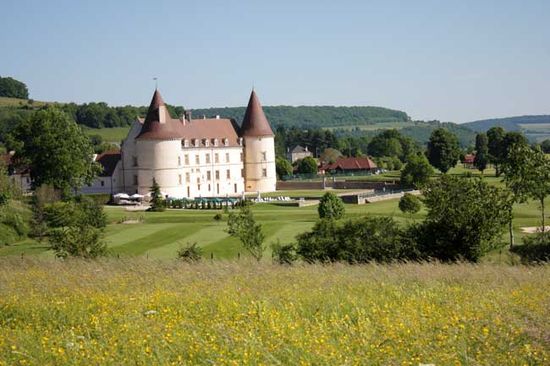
{"x": 179, "y": 160}
{"x": 216, "y": 158}
{"x": 228, "y": 174}
{"x": 242, "y": 173}
{"x": 209, "y": 187}
{"x": 218, "y": 188}
{"x": 186, "y": 159}
{"x": 198, "y": 181}
{"x": 215, "y": 142}
{"x": 240, "y": 141}
{"x": 264, "y": 155}
{"x": 208, "y": 175}
{"x": 187, "y": 177}
{"x": 225, "y": 142}
{"x": 185, "y": 143}
{"x": 227, "y": 157}
{"x": 217, "y": 174}
{"x": 135, "y": 180}
{"x": 264, "y": 173}
{"x": 134, "y": 161}
{"x": 102, "y": 183}
{"x": 196, "y": 142}
{"x": 235, "y": 185}
{"x": 242, "y": 156}
{"x": 206, "y": 142}
{"x": 207, "y": 158}
{"x": 197, "y": 159}
{"x": 180, "y": 180}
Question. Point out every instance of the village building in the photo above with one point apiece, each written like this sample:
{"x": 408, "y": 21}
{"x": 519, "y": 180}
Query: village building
{"x": 349, "y": 165}
{"x": 468, "y": 161}
{"x": 298, "y": 153}
{"x": 189, "y": 158}
{"x": 20, "y": 176}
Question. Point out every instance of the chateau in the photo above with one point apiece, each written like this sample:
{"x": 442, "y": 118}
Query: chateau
{"x": 188, "y": 158}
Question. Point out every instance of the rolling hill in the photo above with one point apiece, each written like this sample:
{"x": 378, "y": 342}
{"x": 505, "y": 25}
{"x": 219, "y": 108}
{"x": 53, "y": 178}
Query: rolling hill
{"x": 536, "y": 128}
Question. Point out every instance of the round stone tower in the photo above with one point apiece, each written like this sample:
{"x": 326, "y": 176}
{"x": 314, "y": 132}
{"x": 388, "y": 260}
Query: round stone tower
{"x": 259, "y": 149}
{"x": 157, "y": 148}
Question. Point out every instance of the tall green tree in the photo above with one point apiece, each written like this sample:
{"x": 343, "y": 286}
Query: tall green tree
{"x": 443, "y": 150}
{"x": 11, "y": 88}
{"x": 496, "y": 148}
{"x": 465, "y": 219}
{"x": 417, "y": 172}
{"x": 55, "y": 149}
{"x": 283, "y": 167}
{"x": 527, "y": 174}
{"x": 158, "y": 203}
{"x": 482, "y": 152}
{"x": 243, "y": 226}
{"x": 307, "y": 165}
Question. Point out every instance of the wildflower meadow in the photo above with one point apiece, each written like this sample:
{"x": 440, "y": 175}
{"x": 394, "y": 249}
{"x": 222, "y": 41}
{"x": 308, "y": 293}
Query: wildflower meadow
{"x": 145, "y": 312}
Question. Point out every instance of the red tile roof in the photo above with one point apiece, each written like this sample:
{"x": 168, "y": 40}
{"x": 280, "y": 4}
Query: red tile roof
{"x": 469, "y": 159}
{"x": 108, "y": 161}
{"x": 255, "y": 122}
{"x": 351, "y": 164}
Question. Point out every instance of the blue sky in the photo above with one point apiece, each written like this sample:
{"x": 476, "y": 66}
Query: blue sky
{"x": 448, "y": 60}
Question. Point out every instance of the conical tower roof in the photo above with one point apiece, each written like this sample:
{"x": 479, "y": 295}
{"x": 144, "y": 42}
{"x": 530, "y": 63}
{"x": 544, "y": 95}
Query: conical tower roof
{"x": 158, "y": 124}
{"x": 255, "y": 123}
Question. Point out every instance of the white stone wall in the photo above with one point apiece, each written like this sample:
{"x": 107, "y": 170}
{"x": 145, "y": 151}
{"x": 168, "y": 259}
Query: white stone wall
{"x": 127, "y": 169}
{"x": 260, "y": 174}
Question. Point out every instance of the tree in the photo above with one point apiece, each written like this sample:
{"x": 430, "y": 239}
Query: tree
{"x": 56, "y": 150}
{"x": 417, "y": 171}
{"x": 545, "y": 146}
{"x": 307, "y": 165}
{"x": 158, "y": 203}
{"x": 409, "y": 204}
{"x": 527, "y": 174}
{"x": 243, "y": 226}
{"x": 482, "y": 152}
{"x": 331, "y": 207}
{"x": 283, "y": 167}
{"x": 12, "y": 88}
{"x": 465, "y": 219}
{"x": 443, "y": 150}
{"x": 78, "y": 241}
{"x": 330, "y": 155}
{"x": 496, "y": 148}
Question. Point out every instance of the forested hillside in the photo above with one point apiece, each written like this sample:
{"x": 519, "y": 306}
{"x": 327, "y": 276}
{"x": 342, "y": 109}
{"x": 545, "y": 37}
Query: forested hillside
{"x": 536, "y": 128}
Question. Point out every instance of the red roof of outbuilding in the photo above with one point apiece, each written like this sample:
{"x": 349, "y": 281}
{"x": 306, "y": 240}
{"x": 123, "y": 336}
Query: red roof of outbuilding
{"x": 351, "y": 164}
{"x": 108, "y": 161}
{"x": 255, "y": 122}
{"x": 469, "y": 159}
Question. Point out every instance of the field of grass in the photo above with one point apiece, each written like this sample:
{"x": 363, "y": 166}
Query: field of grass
{"x": 160, "y": 235}
{"x": 15, "y": 102}
{"x": 113, "y": 135}
{"x": 145, "y": 312}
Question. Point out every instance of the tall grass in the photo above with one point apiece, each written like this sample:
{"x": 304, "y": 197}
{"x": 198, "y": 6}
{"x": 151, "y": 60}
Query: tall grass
{"x": 135, "y": 311}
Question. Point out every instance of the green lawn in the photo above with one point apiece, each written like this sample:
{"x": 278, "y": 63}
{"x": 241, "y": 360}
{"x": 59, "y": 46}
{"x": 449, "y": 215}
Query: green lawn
{"x": 160, "y": 235}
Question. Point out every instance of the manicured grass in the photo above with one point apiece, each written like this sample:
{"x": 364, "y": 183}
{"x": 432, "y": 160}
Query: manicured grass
{"x": 146, "y": 312}
{"x": 161, "y": 234}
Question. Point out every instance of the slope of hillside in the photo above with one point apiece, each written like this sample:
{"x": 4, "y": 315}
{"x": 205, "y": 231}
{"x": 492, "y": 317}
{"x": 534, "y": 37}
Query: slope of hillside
{"x": 536, "y": 127}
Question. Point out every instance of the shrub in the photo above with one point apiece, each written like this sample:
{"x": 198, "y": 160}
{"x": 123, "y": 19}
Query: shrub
{"x": 535, "y": 248}
{"x": 356, "y": 241}
{"x": 190, "y": 253}
{"x": 77, "y": 241}
{"x": 218, "y": 217}
{"x": 409, "y": 204}
{"x": 331, "y": 207}
{"x": 307, "y": 165}
{"x": 283, "y": 253}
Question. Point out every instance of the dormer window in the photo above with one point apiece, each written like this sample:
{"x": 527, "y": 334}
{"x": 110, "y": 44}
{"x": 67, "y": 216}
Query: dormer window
{"x": 206, "y": 142}
{"x": 196, "y": 142}
{"x": 240, "y": 141}
{"x": 225, "y": 142}
{"x": 185, "y": 143}
{"x": 215, "y": 142}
